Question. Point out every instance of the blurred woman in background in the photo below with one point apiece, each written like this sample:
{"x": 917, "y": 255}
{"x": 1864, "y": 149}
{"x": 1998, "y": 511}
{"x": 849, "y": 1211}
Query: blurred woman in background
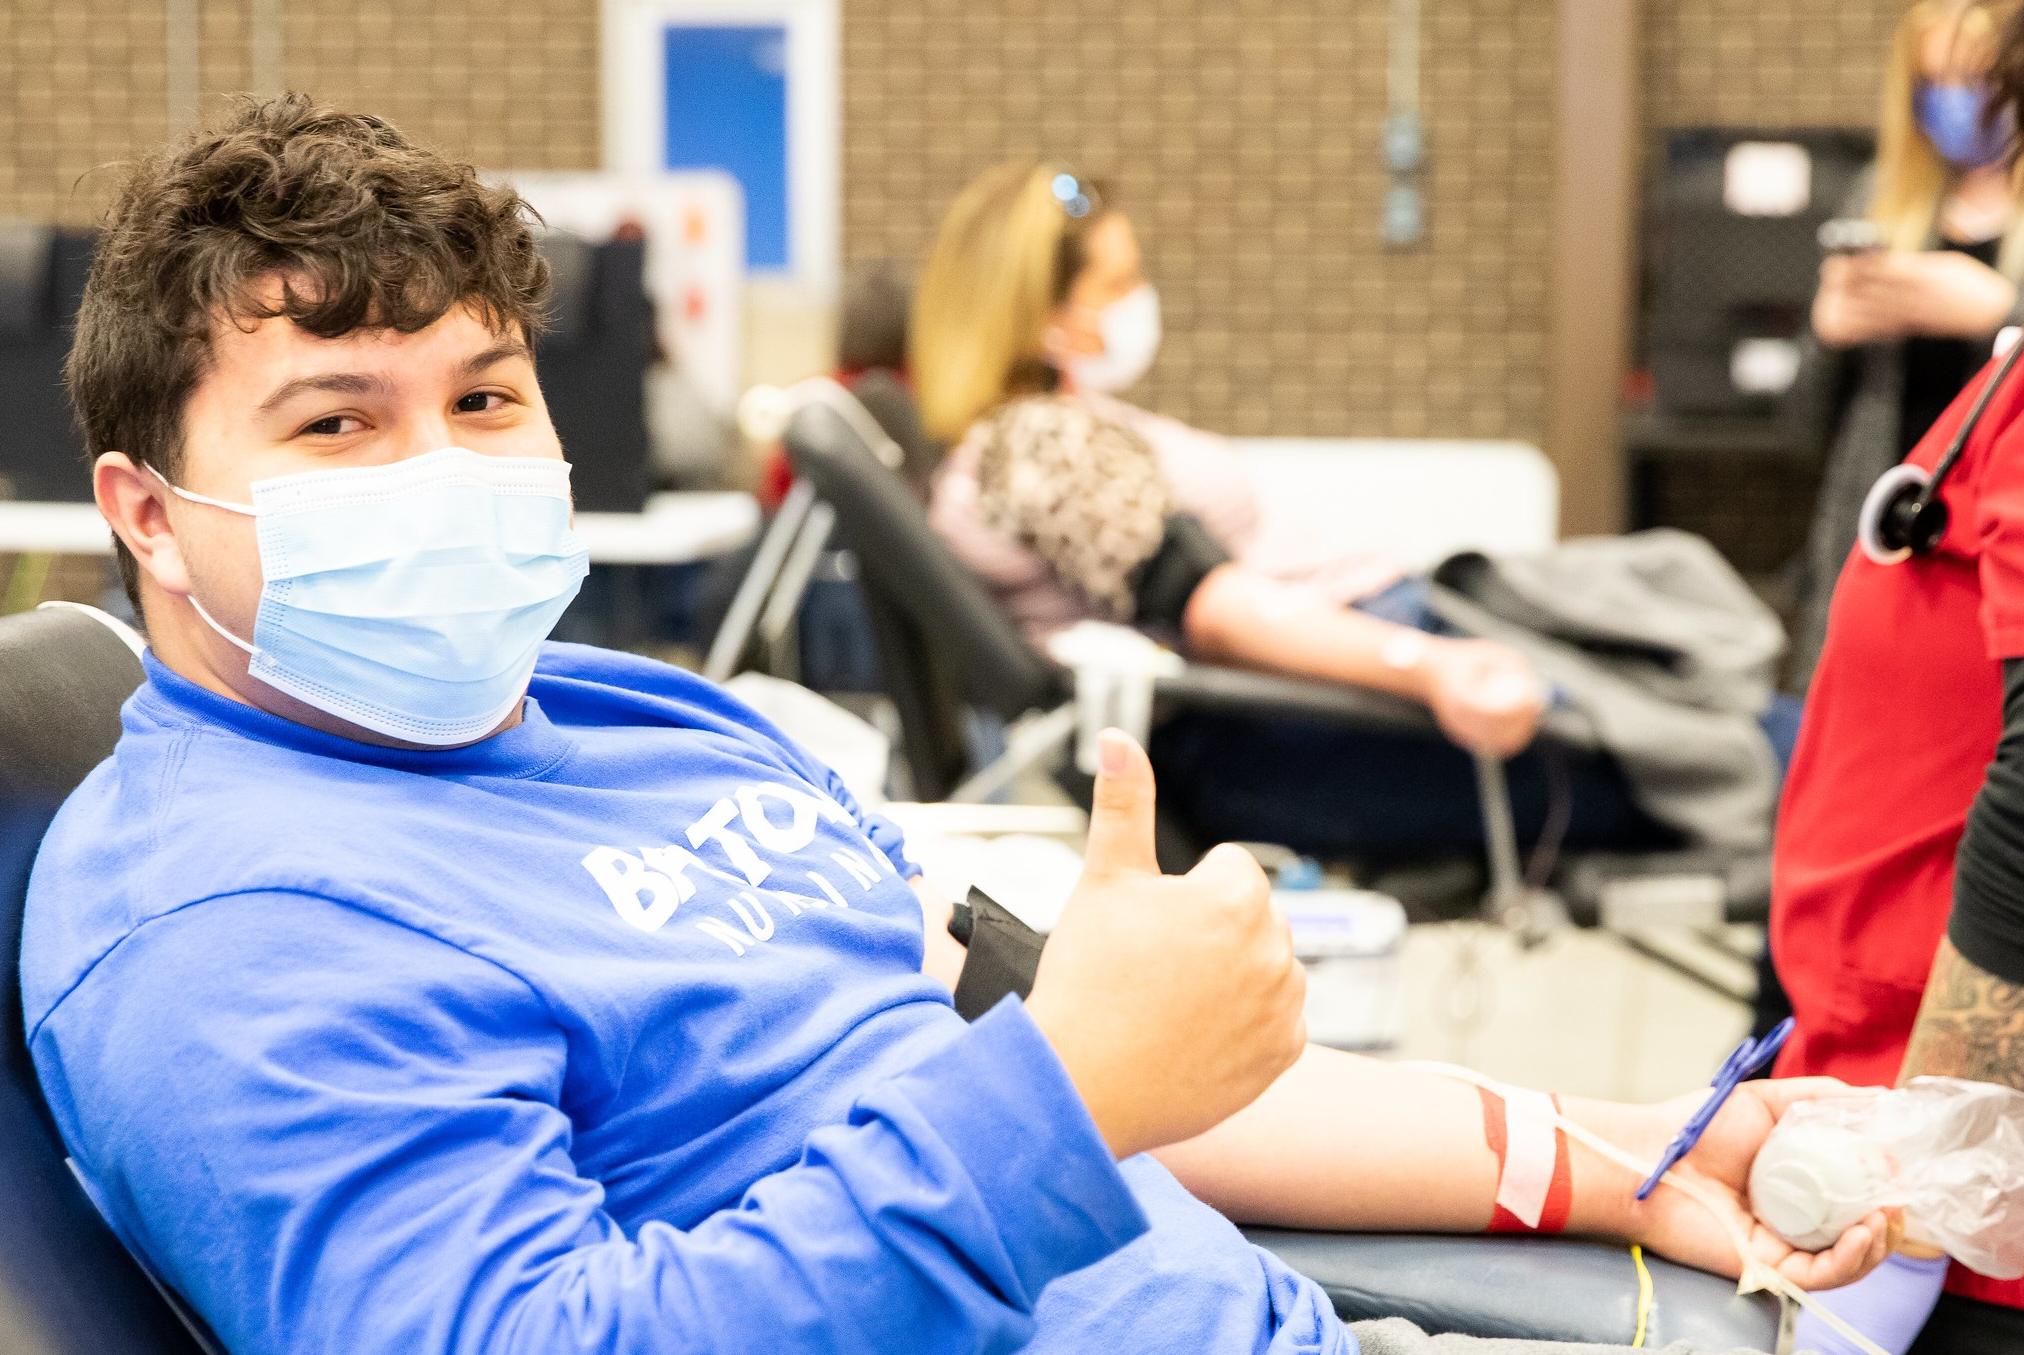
{"x": 1031, "y": 312}
{"x": 1902, "y": 328}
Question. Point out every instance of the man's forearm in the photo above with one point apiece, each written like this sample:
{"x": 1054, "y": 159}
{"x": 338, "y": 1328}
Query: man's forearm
{"x": 1342, "y": 1142}
{"x": 1971, "y": 1024}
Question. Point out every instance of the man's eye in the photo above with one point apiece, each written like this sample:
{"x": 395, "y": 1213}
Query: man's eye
{"x": 476, "y": 402}
{"x": 326, "y": 427}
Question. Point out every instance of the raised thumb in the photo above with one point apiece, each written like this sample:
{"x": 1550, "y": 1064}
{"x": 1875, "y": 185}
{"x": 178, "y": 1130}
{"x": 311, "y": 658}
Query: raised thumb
{"x": 1121, "y": 809}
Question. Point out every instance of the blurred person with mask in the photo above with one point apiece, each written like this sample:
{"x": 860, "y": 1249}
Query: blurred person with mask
{"x": 1032, "y": 312}
{"x": 1900, "y": 329}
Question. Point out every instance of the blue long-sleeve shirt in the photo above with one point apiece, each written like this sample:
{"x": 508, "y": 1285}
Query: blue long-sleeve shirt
{"x": 607, "y": 1033}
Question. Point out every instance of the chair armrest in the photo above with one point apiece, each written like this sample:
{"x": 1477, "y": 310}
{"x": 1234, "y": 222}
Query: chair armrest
{"x": 1534, "y": 1288}
{"x": 1698, "y": 887}
{"x": 1244, "y": 691}
{"x": 1701, "y": 887}
{"x": 1241, "y": 691}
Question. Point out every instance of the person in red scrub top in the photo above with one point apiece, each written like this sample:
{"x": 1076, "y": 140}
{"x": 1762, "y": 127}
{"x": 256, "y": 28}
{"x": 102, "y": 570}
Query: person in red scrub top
{"x": 1898, "y": 897}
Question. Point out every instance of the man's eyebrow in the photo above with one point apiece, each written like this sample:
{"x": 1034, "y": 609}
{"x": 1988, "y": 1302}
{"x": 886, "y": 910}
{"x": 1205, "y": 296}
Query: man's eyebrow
{"x": 367, "y": 383}
{"x": 335, "y": 383}
{"x": 498, "y": 352}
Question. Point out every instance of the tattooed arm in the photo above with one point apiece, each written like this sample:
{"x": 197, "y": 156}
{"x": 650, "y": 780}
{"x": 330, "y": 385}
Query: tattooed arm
{"x": 1971, "y": 1024}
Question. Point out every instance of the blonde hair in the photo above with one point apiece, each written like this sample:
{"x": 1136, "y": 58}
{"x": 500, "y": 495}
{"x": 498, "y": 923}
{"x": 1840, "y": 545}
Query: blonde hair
{"x": 999, "y": 266}
{"x": 1911, "y": 176}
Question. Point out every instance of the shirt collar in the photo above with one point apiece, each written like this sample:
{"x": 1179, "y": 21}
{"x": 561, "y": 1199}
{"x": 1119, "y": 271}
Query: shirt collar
{"x": 528, "y": 749}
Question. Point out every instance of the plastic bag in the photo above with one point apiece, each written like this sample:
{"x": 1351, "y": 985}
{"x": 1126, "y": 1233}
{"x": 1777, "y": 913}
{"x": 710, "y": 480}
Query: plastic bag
{"x": 1949, "y": 1152}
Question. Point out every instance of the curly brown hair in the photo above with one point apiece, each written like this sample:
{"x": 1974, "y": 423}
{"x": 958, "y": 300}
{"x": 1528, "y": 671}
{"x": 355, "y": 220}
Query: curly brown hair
{"x": 362, "y": 228}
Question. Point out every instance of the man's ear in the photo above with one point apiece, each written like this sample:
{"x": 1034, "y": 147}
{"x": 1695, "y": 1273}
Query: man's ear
{"x": 134, "y": 504}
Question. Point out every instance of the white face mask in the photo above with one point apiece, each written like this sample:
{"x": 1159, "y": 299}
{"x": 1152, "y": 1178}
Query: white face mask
{"x": 1130, "y": 327}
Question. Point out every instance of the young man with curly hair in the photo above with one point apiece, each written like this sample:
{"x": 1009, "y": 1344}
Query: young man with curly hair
{"x": 404, "y": 983}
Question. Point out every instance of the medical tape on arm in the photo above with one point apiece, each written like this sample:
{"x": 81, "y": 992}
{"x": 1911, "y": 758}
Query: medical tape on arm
{"x": 1535, "y": 1180}
{"x": 244, "y": 510}
{"x": 1756, "y": 1276}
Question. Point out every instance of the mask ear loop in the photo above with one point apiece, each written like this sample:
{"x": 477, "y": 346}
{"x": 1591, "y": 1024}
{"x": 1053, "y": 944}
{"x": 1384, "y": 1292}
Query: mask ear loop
{"x": 244, "y": 510}
{"x": 1756, "y": 1275}
{"x": 212, "y": 622}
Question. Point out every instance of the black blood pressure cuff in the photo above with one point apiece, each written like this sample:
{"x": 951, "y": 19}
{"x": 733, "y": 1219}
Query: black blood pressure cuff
{"x": 1987, "y": 926}
{"x": 1003, "y": 954}
{"x": 1163, "y": 584}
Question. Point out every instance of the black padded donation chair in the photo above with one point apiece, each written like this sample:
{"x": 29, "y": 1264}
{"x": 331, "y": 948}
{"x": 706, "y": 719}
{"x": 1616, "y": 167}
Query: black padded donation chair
{"x": 42, "y": 272}
{"x": 945, "y": 643}
{"x": 945, "y": 647}
{"x": 67, "y": 1287}
{"x": 593, "y": 358}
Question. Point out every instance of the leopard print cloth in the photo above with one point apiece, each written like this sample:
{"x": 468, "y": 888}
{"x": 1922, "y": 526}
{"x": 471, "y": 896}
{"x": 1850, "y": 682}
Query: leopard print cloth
{"x": 1082, "y": 491}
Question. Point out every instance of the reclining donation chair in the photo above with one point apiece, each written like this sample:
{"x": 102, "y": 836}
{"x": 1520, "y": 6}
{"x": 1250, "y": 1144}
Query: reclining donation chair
{"x": 68, "y": 1288}
{"x": 945, "y": 648}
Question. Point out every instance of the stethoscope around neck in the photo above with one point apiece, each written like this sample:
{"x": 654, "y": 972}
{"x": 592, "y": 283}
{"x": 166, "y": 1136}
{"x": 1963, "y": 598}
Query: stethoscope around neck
{"x": 1904, "y": 514}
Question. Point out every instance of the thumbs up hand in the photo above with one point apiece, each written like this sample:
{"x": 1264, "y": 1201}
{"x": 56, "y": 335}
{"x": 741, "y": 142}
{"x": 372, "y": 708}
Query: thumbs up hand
{"x": 1172, "y": 1000}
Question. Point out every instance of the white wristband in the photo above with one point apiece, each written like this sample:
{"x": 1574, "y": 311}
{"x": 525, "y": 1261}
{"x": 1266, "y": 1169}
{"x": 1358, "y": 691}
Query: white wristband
{"x": 1405, "y": 651}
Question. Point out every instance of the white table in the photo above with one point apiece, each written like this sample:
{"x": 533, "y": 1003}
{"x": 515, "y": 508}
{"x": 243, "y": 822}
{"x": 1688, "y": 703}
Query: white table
{"x": 673, "y": 528}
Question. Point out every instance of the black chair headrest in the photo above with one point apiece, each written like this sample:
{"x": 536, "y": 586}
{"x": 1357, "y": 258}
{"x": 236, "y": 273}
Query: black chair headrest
{"x": 871, "y": 330}
{"x": 572, "y": 295}
{"x": 885, "y": 397}
{"x": 909, "y": 568}
{"x": 26, "y": 255}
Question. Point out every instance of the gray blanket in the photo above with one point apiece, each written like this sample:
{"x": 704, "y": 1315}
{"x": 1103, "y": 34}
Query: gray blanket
{"x": 1664, "y": 658}
{"x": 1394, "y": 1337}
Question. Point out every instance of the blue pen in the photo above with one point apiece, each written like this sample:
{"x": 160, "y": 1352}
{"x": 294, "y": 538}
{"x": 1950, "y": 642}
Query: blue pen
{"x": 1751, "y": 1057}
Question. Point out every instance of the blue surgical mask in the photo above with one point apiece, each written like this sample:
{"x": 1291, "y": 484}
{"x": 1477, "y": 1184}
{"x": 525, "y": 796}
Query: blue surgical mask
{"x": 411, "y": 598}
{"x": 1951, "y": 115}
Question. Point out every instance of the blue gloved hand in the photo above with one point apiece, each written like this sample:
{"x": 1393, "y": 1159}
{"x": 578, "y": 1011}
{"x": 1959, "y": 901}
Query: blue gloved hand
{"x": 1889, "y": 1306}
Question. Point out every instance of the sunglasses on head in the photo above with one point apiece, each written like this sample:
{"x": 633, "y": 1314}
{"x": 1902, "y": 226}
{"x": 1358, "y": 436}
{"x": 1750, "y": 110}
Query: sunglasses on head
{"x": 1077, "y": 198}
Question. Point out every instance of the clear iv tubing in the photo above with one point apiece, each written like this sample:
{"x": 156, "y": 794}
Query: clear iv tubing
{"x": 1756, "y": 1275}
